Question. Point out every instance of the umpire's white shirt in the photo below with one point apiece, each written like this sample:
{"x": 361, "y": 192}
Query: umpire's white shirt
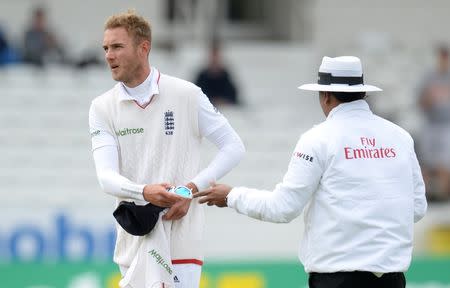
{"x": 365, "y": 190}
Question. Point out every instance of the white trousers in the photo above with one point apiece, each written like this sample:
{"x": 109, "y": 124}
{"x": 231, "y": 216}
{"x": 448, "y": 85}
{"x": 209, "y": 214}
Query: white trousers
{"x": 186, "y": 275}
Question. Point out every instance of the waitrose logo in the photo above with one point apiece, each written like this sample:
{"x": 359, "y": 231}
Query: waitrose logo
{"x": 129, "y": 131}
{"x": 160, "y": 260}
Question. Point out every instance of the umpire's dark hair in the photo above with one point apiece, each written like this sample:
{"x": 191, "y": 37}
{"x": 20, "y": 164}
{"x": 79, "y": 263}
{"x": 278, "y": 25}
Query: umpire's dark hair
{"x": 345, "y": 97}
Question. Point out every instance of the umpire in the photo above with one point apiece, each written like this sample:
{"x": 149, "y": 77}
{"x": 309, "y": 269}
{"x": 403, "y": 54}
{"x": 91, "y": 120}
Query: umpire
{"x": 360, "y": 175}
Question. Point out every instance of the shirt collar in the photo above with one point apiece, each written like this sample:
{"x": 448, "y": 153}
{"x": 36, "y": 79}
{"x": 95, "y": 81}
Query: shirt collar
{"x": 149, "y": 87}
{"x": 345, "y": 108}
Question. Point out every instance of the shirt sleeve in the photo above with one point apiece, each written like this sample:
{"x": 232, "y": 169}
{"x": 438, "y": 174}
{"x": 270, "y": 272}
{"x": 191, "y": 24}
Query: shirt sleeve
{"x": 107, "y": 166}
{"x": 420, "y": 201}
{"x": 209, "y": 118}
{"x": 106, "y": 160}
{"x": 231, "y": 151}
{"x": 101, "y": 135}
{"x": 215, "y": 127}
{"x": 290, "y": 196}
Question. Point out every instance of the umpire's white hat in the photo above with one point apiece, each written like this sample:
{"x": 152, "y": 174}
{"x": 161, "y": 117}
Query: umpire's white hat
{"x": 340, "y": 74}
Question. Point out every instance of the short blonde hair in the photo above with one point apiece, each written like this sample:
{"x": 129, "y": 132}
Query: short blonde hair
{"x": 136, "y": 25}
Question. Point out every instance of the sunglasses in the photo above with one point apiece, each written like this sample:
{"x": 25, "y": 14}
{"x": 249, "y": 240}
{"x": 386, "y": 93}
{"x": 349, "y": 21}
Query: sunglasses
{"x": 183, "y": 191}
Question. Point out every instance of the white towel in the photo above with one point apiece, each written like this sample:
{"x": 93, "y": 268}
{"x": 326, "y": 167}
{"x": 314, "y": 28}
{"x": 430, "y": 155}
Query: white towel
{"x": 152, "y": 266}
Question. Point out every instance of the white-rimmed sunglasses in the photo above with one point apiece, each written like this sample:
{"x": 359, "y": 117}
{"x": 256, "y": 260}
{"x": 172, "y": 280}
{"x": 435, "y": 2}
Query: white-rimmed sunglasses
{"x": 183, "y": 191}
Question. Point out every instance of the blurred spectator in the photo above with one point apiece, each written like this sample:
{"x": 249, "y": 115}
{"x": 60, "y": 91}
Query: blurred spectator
{"x": 40, "y": 44}
{"x": 7, "y": 54}
{"x": 216, "y": 81}
{"x": 434, "y": 142}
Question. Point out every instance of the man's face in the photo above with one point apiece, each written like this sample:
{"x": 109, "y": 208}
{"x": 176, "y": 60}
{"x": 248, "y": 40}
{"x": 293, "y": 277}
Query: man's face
{"x": 122, "y": 55}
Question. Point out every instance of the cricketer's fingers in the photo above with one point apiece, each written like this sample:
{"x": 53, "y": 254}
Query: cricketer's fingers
{"x": 166, "y": 185}
{"x": 178, "y": 210}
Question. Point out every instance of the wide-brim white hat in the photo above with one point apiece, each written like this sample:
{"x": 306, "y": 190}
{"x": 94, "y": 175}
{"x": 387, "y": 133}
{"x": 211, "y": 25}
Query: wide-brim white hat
{"x": 340, "y": 74}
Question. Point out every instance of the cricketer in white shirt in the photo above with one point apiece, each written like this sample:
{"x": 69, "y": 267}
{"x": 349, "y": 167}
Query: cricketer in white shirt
{"x": 211, "y": 125}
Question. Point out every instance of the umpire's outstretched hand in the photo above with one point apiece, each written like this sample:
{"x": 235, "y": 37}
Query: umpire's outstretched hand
{"x": 214, "y": 195}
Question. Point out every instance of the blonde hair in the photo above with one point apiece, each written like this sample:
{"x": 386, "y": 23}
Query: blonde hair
{"x": 134, "y": 24}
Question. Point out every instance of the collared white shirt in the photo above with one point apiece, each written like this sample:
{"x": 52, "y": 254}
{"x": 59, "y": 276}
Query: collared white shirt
{"x": 144, "y": 92}
{"x": 209, "y": 120}
{"x": 360, "y": 175}
{"x": 211, "y": 123}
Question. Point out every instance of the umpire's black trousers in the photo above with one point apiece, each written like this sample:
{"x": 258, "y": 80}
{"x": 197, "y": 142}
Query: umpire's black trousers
{"x": 356, "y": 279}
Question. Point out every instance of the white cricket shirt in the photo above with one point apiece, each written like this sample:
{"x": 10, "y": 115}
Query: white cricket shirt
{"x": 154, "y": 142}
{"x": 365, "y": 190}
{"x": 211, "y": 124}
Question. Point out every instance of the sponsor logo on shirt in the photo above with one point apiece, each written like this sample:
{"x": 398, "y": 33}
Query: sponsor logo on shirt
{"x": 169, "y": 122}
{"x": 95, "y": 133}
{"x": 175, "y": 279}
{"x": 129, "y": 131}
{"x": 160, "y": 260}
{"x": 369, "y": 150}
{"x": 303, "y": 156}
